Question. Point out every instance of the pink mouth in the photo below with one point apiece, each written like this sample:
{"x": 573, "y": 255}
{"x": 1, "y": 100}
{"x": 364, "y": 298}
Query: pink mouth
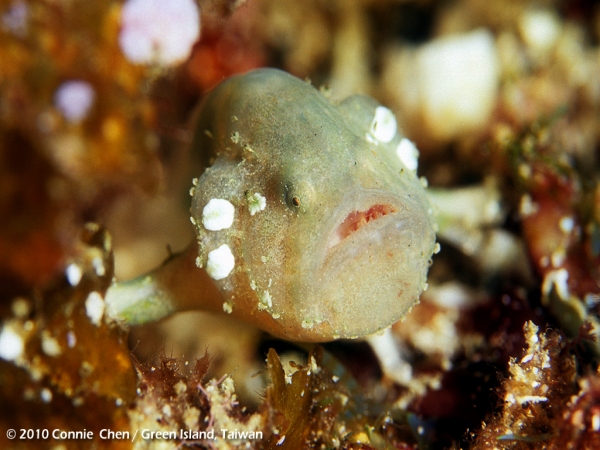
{"x": 358, "y": 219}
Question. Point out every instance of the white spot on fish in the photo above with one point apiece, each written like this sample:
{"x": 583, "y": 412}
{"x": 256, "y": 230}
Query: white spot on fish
{"x": 256, "y": 203}
{"x": 220, "y": 262}
{"x": 266, "y": 301}
{"x": 384, "y": 126}
{"x": 217, "y": 214}
{"x": 408, "y": 154}
{"x": 307, "y": 324}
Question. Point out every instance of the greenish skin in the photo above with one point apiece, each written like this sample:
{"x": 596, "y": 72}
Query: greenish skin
{"x": 343, "y": 246}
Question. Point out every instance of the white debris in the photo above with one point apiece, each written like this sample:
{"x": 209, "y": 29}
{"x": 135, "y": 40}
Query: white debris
{"x": 156, "y": 31}
{"x": 558, "y": 257}
{"x": 46, "y": 395}
{"x": 556, "y": 279}
{"x": 447, "y": 87}
{"x": 94, "y": 307}
{"x": 389, "y": 355}
{"x": 11, "y": 344}
{"x": 220, "y": 262}
{"x": 408, "y": 153}
{"x": 452, "y": 295}
{"x": 50, "y": 345}
{"x": 74, "y": 100}
{"x": 21, "y": 307}
{"x": 527, "y": 206}
{"x": 526, "y": 358}
{"x": 522, "y": 399}
{"x": 98, "y": 266}
{"x": 460, "y": 80}
{"x": 227, "y": 307}
{"x": 16, "y": 18}
{"x": 383, "y": 126}
{"x": 218, "y": 214}
{"x": 540, "y": 30}
{"x": 566, "y": 224}
{"x": 71, "y": 339}
{"x": 256, "y": 203}
{"x": 524, "y": 171}
{"x": 74, "y": 274}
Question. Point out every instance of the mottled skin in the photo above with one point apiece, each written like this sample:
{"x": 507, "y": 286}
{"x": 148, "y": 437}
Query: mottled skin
{"x": 341, "y": 249}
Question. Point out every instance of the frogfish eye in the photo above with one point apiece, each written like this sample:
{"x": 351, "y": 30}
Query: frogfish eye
{"x": 291, "y": 198}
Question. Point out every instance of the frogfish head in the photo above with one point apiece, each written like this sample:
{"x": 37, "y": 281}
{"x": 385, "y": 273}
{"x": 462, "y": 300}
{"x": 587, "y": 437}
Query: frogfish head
{"x": 323, "y": 231}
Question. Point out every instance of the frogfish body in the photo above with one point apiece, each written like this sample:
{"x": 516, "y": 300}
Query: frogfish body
{"x": 307, "y": 221}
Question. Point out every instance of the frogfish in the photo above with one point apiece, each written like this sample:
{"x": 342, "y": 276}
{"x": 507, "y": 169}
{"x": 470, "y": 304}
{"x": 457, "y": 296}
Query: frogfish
{"x": 310, "y": 221}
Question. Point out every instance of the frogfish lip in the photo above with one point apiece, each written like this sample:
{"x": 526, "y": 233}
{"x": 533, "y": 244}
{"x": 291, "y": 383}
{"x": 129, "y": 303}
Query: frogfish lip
{"x": 357, "y": 219}
{"x": 364, "y": 221}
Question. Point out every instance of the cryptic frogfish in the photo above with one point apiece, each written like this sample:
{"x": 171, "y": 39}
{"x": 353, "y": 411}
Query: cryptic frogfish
{"x": 308, "y": 223}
